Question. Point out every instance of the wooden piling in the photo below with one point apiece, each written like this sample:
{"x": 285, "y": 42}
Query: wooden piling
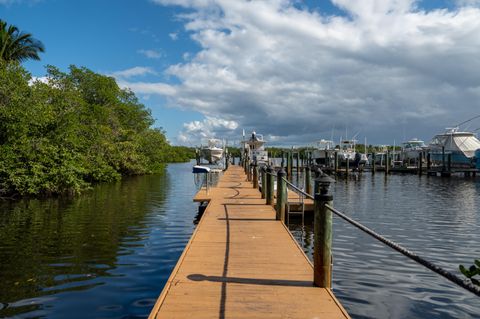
{"x": 347, "y": 167}
{"x": 270, "y": 186}
{"x": 281, "y": 195}
{"x": 373, "y": 163}
{"x": 420, "y": 164}
{"x": 449, "y": 162}
{"x": 429, "y": 162}
{"x": 298, "y": 164}
{"x": 443, "y": 159}
{"x": 308, "y": 180}
{"x": 335, "y": 163}
{"x": 322, "y": 253}
{"x": 387, "y": 163}
{"x": 255, "y": 176}
{"x": 264, "y": 181}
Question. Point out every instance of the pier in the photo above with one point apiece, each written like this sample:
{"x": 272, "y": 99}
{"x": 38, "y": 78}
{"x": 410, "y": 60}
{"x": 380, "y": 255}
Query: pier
{"x": 241, "y": 262}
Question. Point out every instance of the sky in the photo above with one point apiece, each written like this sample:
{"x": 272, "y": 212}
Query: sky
{"x": 296, "y": 71}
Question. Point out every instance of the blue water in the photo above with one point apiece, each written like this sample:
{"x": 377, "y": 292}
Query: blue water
{"x": 438, "y": 218}
{"x": 109, "y": 252}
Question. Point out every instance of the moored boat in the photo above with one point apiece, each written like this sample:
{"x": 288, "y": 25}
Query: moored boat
{"x": 212, "y": 153}
{"x": 459, "y": 146}
{"x": 254, "y": 149}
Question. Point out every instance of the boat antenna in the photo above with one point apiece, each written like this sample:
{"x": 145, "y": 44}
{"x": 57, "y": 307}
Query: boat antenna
{"x": 473, "y": 118}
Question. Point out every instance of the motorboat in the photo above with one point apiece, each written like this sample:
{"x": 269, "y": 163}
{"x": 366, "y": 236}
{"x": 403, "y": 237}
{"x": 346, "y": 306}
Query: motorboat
{"x": 324, "y": 152}
{"x": 411, "y": 150}
{"x": 254, "y": 149}
{"x": 212, "y": 152}
{"x": 460, "y": 146}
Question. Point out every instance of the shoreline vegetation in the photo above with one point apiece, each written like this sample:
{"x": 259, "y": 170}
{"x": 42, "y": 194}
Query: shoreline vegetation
{"x": 62, "y": 135}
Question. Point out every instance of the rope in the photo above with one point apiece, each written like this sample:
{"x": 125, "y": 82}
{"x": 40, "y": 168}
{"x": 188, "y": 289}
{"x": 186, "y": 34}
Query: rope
{"x": 464, "y": 283}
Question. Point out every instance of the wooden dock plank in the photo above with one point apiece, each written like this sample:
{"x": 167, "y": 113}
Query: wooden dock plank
{"x": 242, "y": 263}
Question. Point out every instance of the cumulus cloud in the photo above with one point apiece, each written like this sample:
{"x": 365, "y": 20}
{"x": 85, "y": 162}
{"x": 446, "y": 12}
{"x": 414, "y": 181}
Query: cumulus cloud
{"x": 133, "y": 72}
{"x": 386, "y": 69}
{"x": 199, "y": 131}
{"x": 151, "y": 54}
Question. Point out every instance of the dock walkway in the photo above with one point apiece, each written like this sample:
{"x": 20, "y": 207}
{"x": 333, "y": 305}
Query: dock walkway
{"x": 242, "y": 263}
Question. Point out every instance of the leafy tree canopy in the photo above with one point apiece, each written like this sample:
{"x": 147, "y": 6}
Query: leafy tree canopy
{"x": 76, "y": 129}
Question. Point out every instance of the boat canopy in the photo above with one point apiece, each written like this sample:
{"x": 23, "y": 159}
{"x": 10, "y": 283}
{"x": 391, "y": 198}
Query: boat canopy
{"x": 454, "y": 141}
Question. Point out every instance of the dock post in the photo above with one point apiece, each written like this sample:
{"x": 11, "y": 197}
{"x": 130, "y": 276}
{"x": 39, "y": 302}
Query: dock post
{"x": 347, "y": 167}
{"x": 255, "y": 175}
{"x": 387, "y": 163}
{"x": 264, "y": 181}
{"x": 420, "y": 164}
{"x": 281, "y": 195}
{"x": 429, "y": 162}
{"x": 308, "y": 180}
{"x": 282, "y": 163}
{"x": 298, "y": 164}
{"x": 289, "y": 164}
{"x": 373, "y": 163}
{"x": 449, "y": 162}
{"x": 443, "y": 159}
{"x": 270, "y": 186}
{"x": 335, "y": 163}
{"x": 322, "y": 240}
{"x": 197, "y": 156}
{"x": 249, "y": 172}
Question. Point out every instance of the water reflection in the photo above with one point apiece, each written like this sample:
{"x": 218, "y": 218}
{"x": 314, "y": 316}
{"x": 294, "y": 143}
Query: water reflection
{"x": 437, "y": 218}
{"x": 107, "y": 253}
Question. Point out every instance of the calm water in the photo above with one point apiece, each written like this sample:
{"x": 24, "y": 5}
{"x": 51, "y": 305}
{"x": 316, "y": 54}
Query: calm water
{"x": 107, "y": 254}
{"x": 437, "y": 218}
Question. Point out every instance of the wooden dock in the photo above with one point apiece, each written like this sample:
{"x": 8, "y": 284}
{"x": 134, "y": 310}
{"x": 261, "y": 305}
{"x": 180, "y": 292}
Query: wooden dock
{"x": 242, "y": 263}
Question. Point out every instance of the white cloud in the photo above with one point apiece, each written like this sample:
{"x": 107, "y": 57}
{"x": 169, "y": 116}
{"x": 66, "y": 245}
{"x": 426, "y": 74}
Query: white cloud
{"x": 196, "y": 132}
{"x": 151, "y": 54}
{"x": 132, "y": 72}
{"x": 173, "y": 36}
{"x": 385, "y": 68}
{"x": 148, "y": 88}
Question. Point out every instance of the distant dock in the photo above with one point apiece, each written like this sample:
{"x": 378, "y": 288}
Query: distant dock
{"x": 243, "y": 263}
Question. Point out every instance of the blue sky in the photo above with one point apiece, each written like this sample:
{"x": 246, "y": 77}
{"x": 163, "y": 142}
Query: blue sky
{"x": 233, "y": 65}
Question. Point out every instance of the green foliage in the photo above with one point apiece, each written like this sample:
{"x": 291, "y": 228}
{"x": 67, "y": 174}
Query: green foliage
{"x": 77, "y": 129}
{"x": 16, "y": 46}
{"x": 471, "y": 272}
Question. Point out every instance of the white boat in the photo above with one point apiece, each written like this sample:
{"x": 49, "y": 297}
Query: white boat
{"x": 254, "y": 149}
{"x": 348, "y": 153}
{"x": 461, "y": 145}
{"x": 411, "y": 150}
{"x": 324, "y": 152}
{"x": 212, "y": 153}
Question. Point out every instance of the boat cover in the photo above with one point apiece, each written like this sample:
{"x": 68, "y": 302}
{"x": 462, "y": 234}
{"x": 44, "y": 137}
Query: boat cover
{"x": 466, "y": 143}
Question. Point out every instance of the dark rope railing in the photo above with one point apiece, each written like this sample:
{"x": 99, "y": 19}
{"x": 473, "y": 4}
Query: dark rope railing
{"x": 464, "y": 283}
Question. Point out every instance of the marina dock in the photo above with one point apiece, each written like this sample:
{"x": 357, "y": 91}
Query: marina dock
{"x": 243, "y": 263}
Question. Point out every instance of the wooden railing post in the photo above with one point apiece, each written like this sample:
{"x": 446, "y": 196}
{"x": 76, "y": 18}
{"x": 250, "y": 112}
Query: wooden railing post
{"x": 322, "y": 253}
{"x": 270, "y": 187}
{"x": 308, "y": 180}
{"x": 255, "y": 175}
{"x": 264, "y": 181}
{"x": 249, "y": 172}
{"x": 281, "y": 195}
